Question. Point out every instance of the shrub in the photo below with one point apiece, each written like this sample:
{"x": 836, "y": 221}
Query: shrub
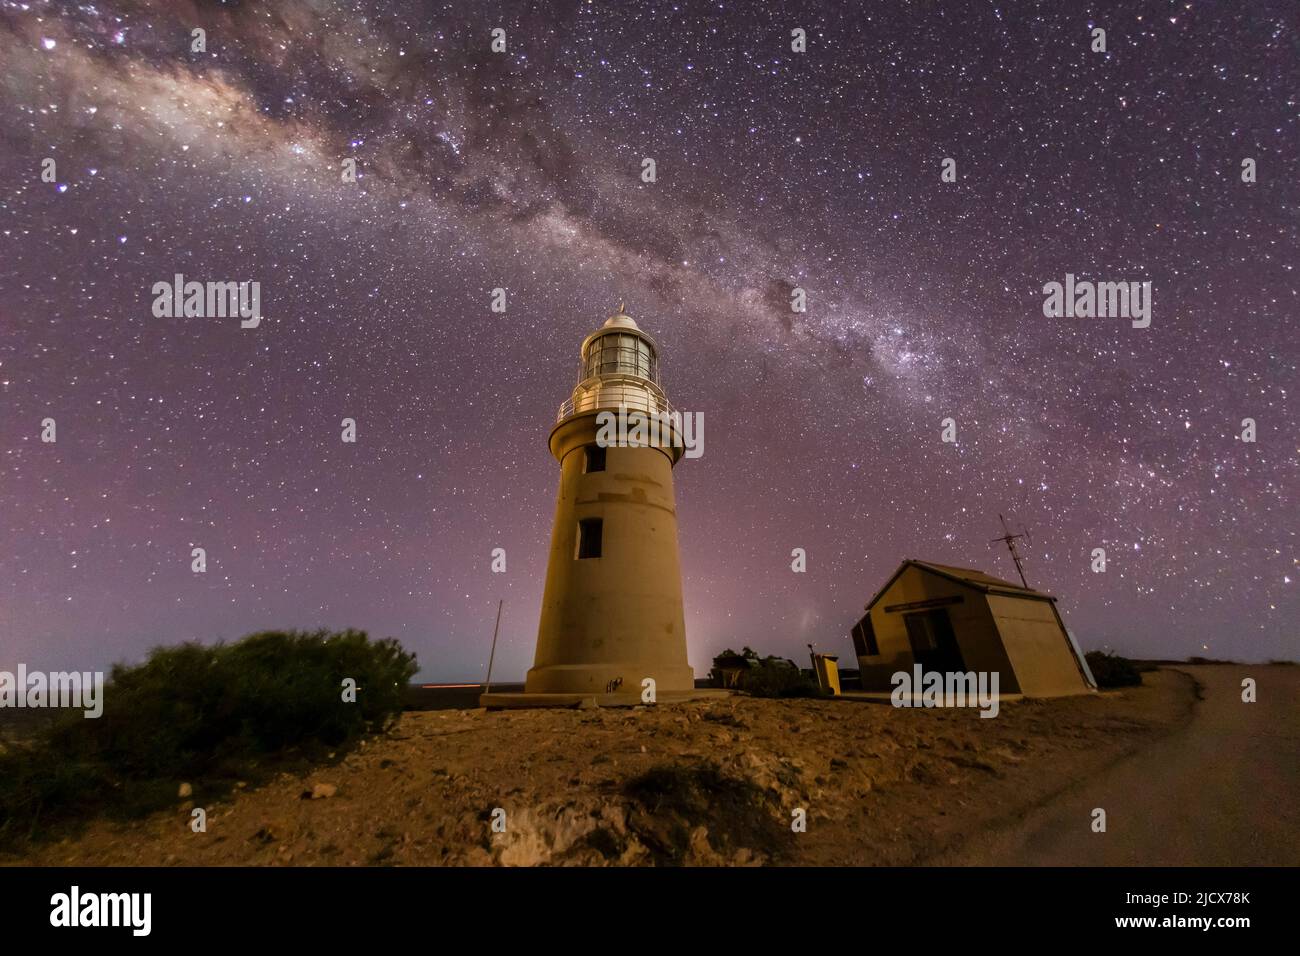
{"x": 730, "y": 661}
{"x": 762, "y": 676}
{"x": 192, "y": 712}
{"x": 1111, "y": 670}
{"x": 778, "y": 678}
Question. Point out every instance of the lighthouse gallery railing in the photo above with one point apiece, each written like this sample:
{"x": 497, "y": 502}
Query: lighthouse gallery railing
{"x": 633, "y": 397}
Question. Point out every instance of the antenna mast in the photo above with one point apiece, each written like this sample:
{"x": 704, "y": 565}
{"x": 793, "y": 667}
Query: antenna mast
{"x": 1009, "y": 540}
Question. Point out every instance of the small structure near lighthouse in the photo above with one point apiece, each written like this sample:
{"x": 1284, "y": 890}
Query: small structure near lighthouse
{"x": 612, "y": 613}
{"x": 949, "y": 619}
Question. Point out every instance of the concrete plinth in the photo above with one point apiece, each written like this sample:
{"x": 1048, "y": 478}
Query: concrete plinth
{"x": 516, "y": 701}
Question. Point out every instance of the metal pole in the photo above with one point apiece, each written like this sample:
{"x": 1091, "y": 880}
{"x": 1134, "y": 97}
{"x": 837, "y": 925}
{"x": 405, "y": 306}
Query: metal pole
{"x": 1009, "y": 540}
{"x": 1015, "y": 555}
{"x": 487, "y": 688}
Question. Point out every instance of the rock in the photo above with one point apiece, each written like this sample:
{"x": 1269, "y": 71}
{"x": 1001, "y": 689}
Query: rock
{"x": 185, "y": 790}
{"x": 699, "y": 841}
{"x": 323, "y": 791}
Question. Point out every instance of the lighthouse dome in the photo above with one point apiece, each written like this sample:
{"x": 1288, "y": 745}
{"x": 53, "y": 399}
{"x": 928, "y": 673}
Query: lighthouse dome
{"x": 620, "y": 321}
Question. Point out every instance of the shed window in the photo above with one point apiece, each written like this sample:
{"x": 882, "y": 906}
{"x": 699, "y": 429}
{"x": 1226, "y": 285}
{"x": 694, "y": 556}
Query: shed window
{"x": 864, "y": 638}
{"x": 589, "y": 537}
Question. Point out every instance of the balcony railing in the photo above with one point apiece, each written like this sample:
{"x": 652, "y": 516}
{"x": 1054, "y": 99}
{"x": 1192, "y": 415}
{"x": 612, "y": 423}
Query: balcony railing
{"x": 610, "y": 396}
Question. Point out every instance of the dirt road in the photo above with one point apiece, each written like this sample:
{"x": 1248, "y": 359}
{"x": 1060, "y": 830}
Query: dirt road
{"x": 1222, "y": 791}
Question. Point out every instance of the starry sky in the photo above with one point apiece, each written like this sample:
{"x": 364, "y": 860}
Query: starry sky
{"x": 522, "y": 170}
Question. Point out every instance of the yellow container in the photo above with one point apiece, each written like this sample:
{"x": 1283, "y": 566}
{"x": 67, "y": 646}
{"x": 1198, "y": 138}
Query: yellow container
{"x": 828, "y": 673}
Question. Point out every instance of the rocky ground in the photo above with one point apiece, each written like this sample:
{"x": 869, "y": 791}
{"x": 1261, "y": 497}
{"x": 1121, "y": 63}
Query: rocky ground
{"x": 712, "y": 782}
{"x": 1222, "y": 791}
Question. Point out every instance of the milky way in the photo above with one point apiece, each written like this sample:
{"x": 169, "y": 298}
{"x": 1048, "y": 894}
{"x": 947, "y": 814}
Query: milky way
{"x": 776, "y": 170}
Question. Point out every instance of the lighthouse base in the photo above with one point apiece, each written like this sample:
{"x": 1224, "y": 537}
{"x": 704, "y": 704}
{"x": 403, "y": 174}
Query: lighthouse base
{"x": 509, "y": 701}
{"x": 607, "y": 678}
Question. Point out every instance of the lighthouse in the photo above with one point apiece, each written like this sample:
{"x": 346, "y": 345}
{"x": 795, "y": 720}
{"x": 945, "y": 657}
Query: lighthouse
{"x": 612, "y": 606}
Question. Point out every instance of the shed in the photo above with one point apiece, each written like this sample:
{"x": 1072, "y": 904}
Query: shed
{"x": 951, "y": 619}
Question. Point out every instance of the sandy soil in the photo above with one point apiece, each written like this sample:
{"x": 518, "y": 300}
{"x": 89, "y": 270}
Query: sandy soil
{"x": 1222, "y": 791}
{"x": 704, "y": 783}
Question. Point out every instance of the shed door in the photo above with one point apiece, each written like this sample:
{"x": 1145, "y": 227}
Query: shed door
{"x": 934, "y": 645}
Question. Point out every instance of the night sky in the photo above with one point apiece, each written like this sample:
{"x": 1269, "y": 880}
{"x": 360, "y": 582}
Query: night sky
{"x": 522, "y": 170}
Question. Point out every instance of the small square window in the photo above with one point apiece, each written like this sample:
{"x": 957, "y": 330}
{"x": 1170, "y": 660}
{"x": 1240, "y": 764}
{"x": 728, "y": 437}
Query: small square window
{"x": 595, "y": 459}
{"x": 590, "y": 532}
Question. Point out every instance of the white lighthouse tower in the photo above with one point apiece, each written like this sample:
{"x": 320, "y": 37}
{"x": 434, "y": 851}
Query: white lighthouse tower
{"x": 612, "y": 607}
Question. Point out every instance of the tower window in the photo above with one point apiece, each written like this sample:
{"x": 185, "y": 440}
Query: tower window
{"x": 595, "y": 459}
{"x": 590, "y": 532}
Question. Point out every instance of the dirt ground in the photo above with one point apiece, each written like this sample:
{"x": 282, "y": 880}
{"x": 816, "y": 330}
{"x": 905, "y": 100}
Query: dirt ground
{"x": 1223, "y": 791}
{"x": 712, "y": 782}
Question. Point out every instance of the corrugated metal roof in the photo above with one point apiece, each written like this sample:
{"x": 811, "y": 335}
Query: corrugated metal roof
{"x": 968, "y": 576}
{"x": 974, "y": 576}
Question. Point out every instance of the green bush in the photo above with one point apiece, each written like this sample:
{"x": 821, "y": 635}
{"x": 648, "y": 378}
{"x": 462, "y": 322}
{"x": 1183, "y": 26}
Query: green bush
{"x": 763, "y": 676}
{"x": 730, "y": 662}
{"x": 776, "y": 678}
{"x": 1111, "y": 670}
{"x": 193, "y": 713}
